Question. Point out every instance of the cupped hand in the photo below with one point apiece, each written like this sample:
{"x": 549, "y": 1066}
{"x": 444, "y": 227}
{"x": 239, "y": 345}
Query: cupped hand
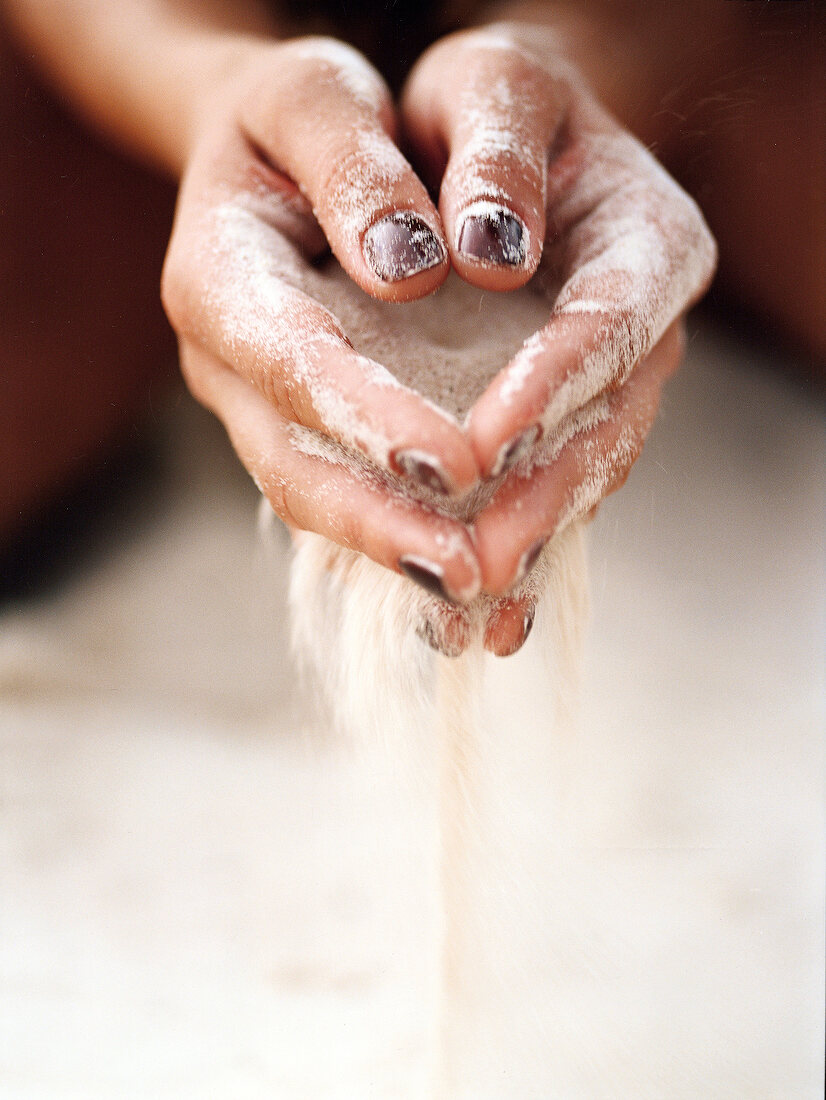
{"x": 296, "y": 151}
{"x": 560, "y": 481}
{"x": 537, "y": 178}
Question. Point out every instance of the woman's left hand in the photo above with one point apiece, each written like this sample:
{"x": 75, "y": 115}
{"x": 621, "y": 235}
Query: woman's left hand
{"x": 533, "y": 168}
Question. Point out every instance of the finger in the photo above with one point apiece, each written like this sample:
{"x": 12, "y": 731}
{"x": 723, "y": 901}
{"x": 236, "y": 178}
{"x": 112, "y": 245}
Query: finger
{"x": 324, "y": 116}
{"x": 636, "y": 254}
{"x": 568, "y": 475}
{"x": 233, "y": 285}
{"x": 314, "y": 485}
{"x": 508, "y": 625}
{"x": 447, "y": 630}
{"x": 484, "y": 99}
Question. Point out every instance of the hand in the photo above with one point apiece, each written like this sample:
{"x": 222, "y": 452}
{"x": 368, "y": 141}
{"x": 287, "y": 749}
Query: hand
{"x": 293, "y": 151}
{"x": 527, "y": 158}
{"x": 590, "y": 459}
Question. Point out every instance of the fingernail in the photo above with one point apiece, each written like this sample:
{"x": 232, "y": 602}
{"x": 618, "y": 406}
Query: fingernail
{"x": 428, "y": 635}
{"x": 516, "y": 448}
{"x": 426, "y": 574}
{"x": 529, "y": 560}
{"x": 401, "y": 245}
{"x": 527, "y": 627}
{"x": 491, "y": 233}
{"x": 423, "y": 468}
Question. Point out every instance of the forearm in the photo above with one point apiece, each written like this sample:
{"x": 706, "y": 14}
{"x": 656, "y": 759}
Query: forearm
{"x": 138, "y": 70}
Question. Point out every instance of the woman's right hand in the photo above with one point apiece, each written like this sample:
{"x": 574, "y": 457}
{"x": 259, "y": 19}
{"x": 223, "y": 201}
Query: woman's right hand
{"x": 293, "y": 152}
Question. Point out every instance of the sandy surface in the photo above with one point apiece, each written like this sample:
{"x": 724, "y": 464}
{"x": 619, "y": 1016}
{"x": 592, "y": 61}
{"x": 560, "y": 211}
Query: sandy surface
{"x": 202, "y": 895}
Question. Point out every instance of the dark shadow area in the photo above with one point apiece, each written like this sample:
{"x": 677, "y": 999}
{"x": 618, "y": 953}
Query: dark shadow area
{"x": 76, "y": 530}
{"x": 753, "y": 330}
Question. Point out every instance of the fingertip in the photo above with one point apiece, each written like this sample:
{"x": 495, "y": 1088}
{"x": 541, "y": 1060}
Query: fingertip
{"x": 513, "y": 450}
{"x": 494, "y": 246}
{"x": 482, "y": 106}
{"x": 431, "y": 473}
{"x": 376, "y": 213}
{"x": 501, "y": 570}
{"x": 405, "y": 255}
{"x": 541, "y": 384}
{"x": 422, "y": 444}
{"x": 433, "y": 578}
{"x": 509, "y": 627}
{"x": 513, "y": 530}
{"x": 445, "y": 630}
{"x": 500, "y": 437}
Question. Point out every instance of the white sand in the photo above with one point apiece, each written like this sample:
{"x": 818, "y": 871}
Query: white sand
{"x": 202, "y": 896}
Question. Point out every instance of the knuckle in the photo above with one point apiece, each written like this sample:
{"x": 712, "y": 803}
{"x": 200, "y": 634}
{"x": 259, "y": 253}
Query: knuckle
{"x": 282, "y": 393}
{"x": 692, "y": 242}
{"x": 512, "y": 60}
{"x": 708, "y": 252}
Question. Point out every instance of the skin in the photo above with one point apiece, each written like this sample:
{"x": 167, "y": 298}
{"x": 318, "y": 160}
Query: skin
{"x": 232, "y": 112}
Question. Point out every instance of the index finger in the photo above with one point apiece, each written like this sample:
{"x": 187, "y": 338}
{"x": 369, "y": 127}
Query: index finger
{"x": 324, "y": 117}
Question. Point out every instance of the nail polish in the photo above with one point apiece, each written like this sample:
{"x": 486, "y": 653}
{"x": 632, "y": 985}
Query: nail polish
{"x": 401, "y": 245}
{"x": 516, "y": 448}
{"x": 529, "y": 560}
{"x": 423, "y": 468}
{"x": 492, "y": 234}
{"x": 527, "y": 627}
{"x": 428, "y": 635}
{"x": 426, "y": 574}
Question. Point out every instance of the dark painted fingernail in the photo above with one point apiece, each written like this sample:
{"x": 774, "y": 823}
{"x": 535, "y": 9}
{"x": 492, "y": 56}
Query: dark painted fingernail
{"x": 529, "y": 560}
{"x": 426, "y": 574}
{"x": 514, "y": 449}
{"x": 492, "y": 234}
{"x": 423, "y": 468}
{"x": 401, "y": 245}
{"x": 428, "y": 635}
